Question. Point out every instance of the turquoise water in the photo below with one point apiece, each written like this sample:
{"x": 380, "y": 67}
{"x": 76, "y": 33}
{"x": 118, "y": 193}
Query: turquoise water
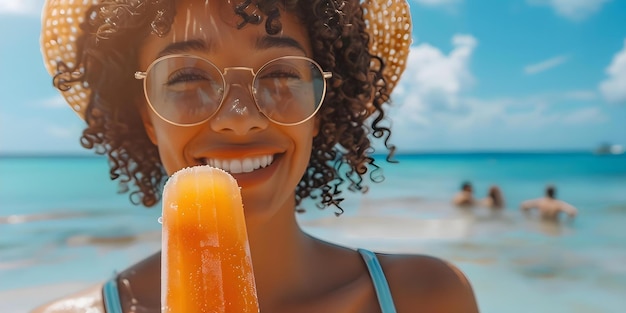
{"x": 61, "y": 220}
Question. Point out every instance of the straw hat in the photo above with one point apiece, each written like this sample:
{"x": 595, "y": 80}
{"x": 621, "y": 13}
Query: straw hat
{"x": 388, "y": 22}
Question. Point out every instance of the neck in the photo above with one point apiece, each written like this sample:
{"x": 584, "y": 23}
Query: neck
{"x": 281, "y": 252}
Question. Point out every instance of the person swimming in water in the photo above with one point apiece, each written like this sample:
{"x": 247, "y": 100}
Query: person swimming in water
{"x": 494, "y": 199}
{"x": 548, "y": 206}
{"x": 465, "y": 197}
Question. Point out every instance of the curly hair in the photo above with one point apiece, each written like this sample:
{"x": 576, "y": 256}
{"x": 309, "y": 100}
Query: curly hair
{"x": 351, "y": 112}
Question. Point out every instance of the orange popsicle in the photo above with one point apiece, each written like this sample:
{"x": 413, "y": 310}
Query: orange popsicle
{"x": 206, "y": 265}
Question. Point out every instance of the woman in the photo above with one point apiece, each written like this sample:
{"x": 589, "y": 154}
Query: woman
{"x": 281, "y": 94}
{"x": 494, "y": 199}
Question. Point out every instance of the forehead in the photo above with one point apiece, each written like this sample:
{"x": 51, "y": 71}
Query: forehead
{"x": 215, "y": 23}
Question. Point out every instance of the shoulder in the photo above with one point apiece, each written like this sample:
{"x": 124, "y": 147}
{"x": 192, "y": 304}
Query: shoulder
{"x": 427, "y": 283}
{"x": 463, "y": 198}
{"x": 87, "y": 300}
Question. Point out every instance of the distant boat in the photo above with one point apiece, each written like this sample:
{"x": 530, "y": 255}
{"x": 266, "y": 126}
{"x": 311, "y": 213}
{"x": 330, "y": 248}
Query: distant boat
{"x": 609, "y": 149}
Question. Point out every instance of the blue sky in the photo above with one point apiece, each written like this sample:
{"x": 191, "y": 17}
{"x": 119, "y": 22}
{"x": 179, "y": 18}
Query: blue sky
{"x": 482, "y": 75}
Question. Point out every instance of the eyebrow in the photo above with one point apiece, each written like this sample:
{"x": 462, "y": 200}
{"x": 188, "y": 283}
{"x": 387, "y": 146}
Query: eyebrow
{"x": 262, "y": 43}
{"x": 267, "y": 42}
{"x": 186, "y": 46}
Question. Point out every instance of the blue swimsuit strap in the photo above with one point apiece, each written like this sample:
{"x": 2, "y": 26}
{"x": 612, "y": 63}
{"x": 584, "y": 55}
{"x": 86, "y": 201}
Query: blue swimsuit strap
{"x": 111, "y": 296}
{"x": 380, "y": 282}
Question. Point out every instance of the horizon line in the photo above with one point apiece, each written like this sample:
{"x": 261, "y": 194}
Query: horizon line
{"x": 408, "y": 152}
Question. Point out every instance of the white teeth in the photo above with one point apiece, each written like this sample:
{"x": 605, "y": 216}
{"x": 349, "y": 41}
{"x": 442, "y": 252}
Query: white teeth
{"x": 236, "y": 166}
{"x": 246, "y": 166}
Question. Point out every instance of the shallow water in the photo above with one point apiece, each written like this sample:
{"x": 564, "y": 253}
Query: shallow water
{"x": 62, "y": 221}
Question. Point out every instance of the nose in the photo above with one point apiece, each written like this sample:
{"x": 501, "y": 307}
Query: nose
{"x": 238, "y": 114}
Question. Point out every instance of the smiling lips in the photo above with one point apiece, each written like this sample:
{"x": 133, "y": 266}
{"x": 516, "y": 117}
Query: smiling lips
{"x": 237, "y": 166}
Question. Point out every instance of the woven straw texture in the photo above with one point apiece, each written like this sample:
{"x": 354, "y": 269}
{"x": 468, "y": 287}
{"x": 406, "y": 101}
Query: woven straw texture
{"x": 389, "y": 25}
{"x": 388, "y": 22}
{"x": 60, "y": 20}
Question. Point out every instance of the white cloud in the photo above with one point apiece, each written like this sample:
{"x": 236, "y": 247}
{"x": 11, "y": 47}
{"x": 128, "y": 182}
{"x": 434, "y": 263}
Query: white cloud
{"x": 559, "y": 97}
{"x": 520, "y": 114}
{"x": 545, "y": 65}
{"x": 21, "y": 7}
{"x": 37, "y": 134}
{"x": 540, "y": 116}
{"x": 430, "y": 99}
{"x": 431, "y": 109}
{"x": 533, "y": 122}
{"x": 556, "y": 108}
{"x": 590, "y": 115}
{"x": 572, "y": 9}
{"x": 614, "y": 87}
{"x": 432, "y": 80}
{"x": 534, "y": 116}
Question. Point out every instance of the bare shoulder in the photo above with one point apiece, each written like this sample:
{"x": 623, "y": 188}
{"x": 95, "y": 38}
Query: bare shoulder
{"x": 87, "y": 300}
{"x": 428, "y": 284}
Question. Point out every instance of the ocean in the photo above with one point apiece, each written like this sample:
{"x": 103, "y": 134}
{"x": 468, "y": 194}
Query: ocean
{"x": 62, "y": 221}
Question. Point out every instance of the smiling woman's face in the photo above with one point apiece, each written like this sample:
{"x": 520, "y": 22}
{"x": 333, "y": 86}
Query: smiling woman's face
{"x": 267, "y": 159}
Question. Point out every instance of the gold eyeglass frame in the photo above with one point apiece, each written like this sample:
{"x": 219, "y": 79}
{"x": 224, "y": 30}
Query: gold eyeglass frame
{"x": 143, "y": 75}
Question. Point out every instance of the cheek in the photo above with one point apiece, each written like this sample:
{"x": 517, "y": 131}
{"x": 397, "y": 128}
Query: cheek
{"x": 305, "y": 138}
{"x": 171, "y": 142}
